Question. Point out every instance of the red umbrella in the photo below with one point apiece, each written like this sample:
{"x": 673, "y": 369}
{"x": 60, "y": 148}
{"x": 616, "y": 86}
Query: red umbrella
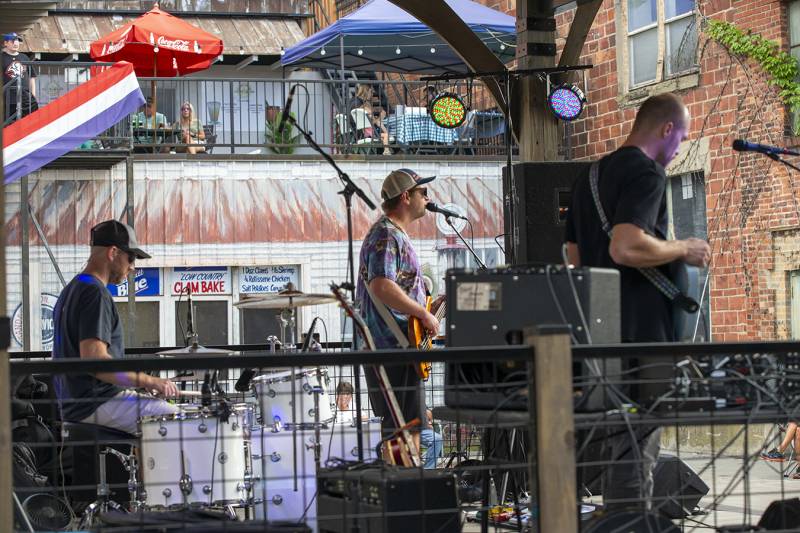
{"x": 158, "y": 44}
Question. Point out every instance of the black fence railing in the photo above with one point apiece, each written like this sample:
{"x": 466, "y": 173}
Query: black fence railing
{"x": 671, "y": 437}
{"x": 243, "y": 116}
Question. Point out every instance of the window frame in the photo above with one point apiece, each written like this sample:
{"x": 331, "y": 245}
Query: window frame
{"x": 624, "y": 56}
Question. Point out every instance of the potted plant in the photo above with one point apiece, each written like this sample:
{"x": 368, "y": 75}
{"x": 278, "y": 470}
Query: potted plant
{"x": 288, "y": 137}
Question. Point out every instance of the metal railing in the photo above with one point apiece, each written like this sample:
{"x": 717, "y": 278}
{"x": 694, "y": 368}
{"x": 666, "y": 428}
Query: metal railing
{"x": 241, "y": 116}
{"x": 295, "y": 7}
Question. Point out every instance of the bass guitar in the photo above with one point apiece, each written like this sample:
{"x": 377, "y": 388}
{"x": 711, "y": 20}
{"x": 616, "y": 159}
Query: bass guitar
{"x": 400, "y": 447}
{"x": 420, "y": 339}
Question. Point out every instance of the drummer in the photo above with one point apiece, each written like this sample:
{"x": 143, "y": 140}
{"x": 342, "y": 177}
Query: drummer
{"x": 87, "y": 326}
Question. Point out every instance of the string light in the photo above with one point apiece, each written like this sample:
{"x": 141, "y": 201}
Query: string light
{"x": 360, "y": 52}
{"x": 322, "y": 52}
{"x": 502, "y": 46}
{"x": 397, "y": 50}
{"x": 433, "y": 50}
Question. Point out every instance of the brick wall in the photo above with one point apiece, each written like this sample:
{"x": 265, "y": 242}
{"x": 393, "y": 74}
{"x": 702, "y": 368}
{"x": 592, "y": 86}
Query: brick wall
{"x": 749, "y": 197}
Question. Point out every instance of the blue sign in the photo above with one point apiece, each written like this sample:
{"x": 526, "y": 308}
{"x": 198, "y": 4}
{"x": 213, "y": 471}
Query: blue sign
{"x": 147, "y": 282}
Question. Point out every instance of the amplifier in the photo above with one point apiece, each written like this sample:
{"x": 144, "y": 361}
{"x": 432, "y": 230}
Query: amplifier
{"x": 494, "y": 307}
{"x": 387, "y": 500}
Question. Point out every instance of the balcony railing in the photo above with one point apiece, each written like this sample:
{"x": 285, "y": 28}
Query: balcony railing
{"x": 217, "y": 7}
{"x": 241, "y": 116}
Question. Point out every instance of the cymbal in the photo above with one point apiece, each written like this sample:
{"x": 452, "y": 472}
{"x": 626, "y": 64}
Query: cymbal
{"x": 195, "y": 349}
{"x": 284, "y": 300}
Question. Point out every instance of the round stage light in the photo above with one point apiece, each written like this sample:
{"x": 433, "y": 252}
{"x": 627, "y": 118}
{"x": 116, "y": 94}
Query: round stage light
{"x": 447, "y": 110}
{"x": 566, "y": 101}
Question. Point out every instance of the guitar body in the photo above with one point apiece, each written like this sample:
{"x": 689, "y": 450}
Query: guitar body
{"x": 690, "y": 282}
{"x": 420, "y": 339}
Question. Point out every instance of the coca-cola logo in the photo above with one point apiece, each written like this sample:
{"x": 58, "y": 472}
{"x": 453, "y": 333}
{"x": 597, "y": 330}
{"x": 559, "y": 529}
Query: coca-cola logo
{"x": 177, "y": 44}
{"x": 115, "y": 47}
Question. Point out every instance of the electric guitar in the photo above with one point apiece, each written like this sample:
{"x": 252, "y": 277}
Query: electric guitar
{"x": 420, "y": 339}
{"x": 400, "y": 445}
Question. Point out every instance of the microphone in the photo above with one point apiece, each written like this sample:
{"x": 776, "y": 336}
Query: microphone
{"x": 285, "y": 113}
{"x": 433, "y": 208}
{"x": 744, "y": 146}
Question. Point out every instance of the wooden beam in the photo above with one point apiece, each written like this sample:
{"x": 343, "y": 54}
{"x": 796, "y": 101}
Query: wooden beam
{"x": 441, "y": 18}
{"x": 581, "y": 24}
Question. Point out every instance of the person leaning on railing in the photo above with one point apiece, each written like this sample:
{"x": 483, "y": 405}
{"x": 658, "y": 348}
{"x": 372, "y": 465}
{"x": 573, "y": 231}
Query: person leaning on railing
{"x": 189, "y": 131}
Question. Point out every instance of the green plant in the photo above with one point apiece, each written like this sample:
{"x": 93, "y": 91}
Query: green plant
{"x": 287, "y": 137}
{"x": 781, "y": 67}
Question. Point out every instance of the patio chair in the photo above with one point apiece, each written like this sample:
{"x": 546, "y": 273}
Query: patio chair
{"x": 211, "y": 137}
{"x": 365, "y": 132}
{"x": 344, "y": 134}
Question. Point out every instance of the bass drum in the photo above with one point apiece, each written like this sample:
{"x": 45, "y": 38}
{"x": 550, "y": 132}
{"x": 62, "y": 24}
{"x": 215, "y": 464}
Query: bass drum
{"x": 287, "y": 397}
{"x": 195, "y": 456}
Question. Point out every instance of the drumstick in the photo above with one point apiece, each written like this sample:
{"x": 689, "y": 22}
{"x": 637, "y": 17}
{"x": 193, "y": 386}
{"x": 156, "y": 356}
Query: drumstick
{"x": 190, "y": 393}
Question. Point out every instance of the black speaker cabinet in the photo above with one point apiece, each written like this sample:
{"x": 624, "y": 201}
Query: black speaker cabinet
{"x": 543, "y": 194}
{"x": 676, "y": 487}
{"x": 781, "y": 515}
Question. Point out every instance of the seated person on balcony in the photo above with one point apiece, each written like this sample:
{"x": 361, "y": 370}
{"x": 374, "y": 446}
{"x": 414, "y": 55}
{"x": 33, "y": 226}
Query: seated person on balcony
{"x": 363, "y": 100}
{"x": 88, "y": 326}
{"x": 144, "y": 121}
{"x": 189, "y": 131}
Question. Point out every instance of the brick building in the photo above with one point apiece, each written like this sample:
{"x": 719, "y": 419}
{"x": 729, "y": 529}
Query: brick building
{"x": 746, "y": 204}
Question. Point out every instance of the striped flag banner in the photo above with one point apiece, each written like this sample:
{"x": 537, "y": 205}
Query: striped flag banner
{"x": 64, "y": 124}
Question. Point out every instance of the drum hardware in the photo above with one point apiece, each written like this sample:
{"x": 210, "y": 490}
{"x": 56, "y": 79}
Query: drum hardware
{"x": 104, "y": 502}
{"x": 273, "y": 341}
{"x": 192, "y": 345}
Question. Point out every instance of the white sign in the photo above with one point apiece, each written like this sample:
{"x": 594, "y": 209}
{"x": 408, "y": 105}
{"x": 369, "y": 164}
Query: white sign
{"x": 268, "y": 279}
{"x": 48, "y": 303}
{"x": 201, "y": 280}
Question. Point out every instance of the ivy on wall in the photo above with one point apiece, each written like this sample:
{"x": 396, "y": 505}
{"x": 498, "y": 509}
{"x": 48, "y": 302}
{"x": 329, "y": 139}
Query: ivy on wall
{"x": 781, "y": 67}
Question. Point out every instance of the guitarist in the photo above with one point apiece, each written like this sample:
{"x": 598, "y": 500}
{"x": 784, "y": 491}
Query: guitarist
{"x": 632, "y": 192}
{"x": 389, "y": 275}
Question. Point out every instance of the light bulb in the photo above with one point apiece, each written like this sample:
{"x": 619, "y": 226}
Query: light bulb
{"x": 397, "y": 50}
{"x": 322, "y": 52}
{"x": 433, "y": 50}
{"x": 360, "y": 52}
{"x": 502, "y": 46}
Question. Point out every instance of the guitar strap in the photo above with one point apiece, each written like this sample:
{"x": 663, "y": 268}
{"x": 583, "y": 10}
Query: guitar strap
{"x": 388, "y": 318}
{"x": 653, "y": 275}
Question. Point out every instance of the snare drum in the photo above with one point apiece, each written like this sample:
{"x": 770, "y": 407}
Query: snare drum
{"x": 280, "y": 406}
{"x": 195, "y": 457}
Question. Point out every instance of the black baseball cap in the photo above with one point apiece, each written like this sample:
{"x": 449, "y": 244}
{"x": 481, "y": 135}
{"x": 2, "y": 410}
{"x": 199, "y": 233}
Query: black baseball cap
{"x": 115, "y": 233}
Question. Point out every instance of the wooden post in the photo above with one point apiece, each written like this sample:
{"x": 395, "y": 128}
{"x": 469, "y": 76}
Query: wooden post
{"x": 538, "y": 127}
{"x": 6, "y": 478}
{"x": 554, "y": 470}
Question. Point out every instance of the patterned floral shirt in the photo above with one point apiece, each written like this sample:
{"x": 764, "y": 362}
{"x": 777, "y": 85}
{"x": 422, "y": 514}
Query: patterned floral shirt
{"x": 387, "y": 252}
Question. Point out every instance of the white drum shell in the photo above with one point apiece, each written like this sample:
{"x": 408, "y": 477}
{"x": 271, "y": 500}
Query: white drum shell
{"x": 279, "y": 404}
{"x": 278, "y": 495}
{"x": 213, "y": 453}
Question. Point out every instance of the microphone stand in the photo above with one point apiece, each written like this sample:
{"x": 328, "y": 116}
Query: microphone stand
{"x": 481, "y": 264}
{"x": 349, "y": 190}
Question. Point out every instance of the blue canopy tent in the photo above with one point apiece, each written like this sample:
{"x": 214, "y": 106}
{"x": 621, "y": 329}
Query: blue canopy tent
{"x": 382, "y": 37}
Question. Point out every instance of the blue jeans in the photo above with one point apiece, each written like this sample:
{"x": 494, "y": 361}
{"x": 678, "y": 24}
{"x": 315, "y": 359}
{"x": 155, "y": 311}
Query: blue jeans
{"x": 432, "y": 441}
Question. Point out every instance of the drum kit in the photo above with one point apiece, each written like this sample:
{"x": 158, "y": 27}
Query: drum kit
{"x": 260, "y": 456}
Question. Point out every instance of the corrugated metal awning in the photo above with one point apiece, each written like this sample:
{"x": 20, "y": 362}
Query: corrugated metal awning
{"x": 72, "y": 34}
{"x": 19, "y": 15}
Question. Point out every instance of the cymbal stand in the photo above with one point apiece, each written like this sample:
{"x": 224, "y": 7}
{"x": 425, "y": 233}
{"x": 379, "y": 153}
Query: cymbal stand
{"x": 104, "y": 501}
{"x": 286, "y": 318}
{"x": 350, "y": 189}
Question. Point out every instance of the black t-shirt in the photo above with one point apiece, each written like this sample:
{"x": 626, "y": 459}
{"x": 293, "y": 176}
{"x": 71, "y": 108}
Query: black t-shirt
{"x": 84, "y": 310}
{"x": 13, "y": 69}
{"x": 632, "y": 190}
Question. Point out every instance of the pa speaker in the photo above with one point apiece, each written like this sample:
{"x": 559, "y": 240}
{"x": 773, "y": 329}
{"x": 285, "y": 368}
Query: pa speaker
{"x": 781, "y": 515}
{"x": 676, "y": 487}
{"x": 542, "y": 194}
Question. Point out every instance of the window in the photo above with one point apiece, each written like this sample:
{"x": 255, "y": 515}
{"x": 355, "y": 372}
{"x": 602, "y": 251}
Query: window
{"x": 794, "y": 50}
{"x": 147, "y": 321}
{"x": 210, "y": 322}
{"x": 258, "y": 324}
{"x": 661, "y": 29}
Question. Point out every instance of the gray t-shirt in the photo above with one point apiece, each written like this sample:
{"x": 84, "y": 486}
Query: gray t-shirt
{"x": 84, "y": 310}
